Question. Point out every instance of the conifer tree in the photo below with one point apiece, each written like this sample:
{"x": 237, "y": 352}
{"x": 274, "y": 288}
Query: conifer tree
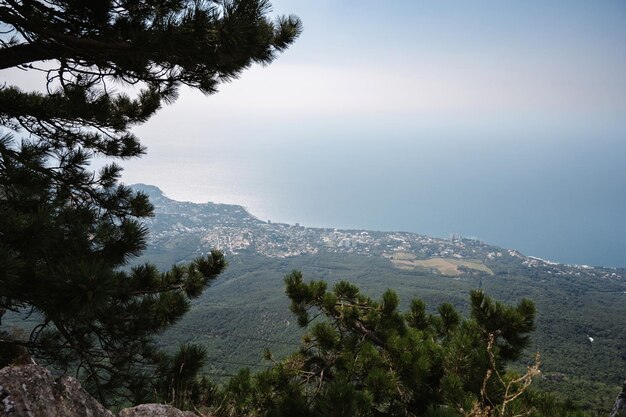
{"x": 363, "y": 357}
{"x": 67, "y": 232}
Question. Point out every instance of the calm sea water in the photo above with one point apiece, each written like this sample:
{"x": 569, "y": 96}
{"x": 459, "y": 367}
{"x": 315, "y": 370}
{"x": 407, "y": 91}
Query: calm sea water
{"x": 559, "y": 199}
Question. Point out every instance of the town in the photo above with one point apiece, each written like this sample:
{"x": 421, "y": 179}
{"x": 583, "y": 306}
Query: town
{"x": 231, "y": 229}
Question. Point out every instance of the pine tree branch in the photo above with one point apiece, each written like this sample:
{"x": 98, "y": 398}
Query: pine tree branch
{"x": 26, "y": 53}
{"x": 371, "y": 335}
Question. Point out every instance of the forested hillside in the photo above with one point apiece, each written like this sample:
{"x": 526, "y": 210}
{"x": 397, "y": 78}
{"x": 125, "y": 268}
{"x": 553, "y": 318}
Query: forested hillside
{"x": 581, "y": 311}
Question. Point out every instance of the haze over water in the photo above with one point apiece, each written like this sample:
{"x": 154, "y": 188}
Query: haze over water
{"x": 500, "y": 120}
{"x": 554, "y": 199}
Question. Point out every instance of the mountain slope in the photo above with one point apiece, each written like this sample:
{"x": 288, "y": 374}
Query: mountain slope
{"x": 581, "y": 309}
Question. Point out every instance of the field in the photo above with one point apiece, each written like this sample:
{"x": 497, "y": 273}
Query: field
{"x": 445, "y": 266}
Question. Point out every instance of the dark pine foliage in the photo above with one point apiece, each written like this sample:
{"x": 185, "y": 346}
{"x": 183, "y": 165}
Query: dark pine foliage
{"x": 66, "y": 232}
{"x": 363, "y": 357}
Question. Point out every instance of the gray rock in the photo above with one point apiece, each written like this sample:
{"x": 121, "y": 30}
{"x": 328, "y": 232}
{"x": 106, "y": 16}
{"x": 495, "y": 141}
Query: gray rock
{"x": 619, "y": 409}
{"x": 31, "y": 391}
{"x": 154, "y": 410}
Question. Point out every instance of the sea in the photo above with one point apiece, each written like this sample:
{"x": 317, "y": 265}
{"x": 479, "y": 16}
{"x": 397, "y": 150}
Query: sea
{"x": 558, "y": 198}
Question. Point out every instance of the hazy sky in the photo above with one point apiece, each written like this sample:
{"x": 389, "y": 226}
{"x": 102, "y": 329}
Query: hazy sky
{"x": 413, "y": 66}
{"x": 406, "y": 66}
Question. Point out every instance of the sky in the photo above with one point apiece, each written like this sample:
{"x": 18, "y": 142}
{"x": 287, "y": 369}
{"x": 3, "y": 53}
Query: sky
{"x": 413, "y": 66}
{"x": 517, "y": 107}
{"x": 417, "y": 63}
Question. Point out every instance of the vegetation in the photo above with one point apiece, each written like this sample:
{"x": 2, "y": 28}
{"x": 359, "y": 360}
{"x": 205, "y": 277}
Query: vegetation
{"x": 66, "y": 231}
{"x": 362, "y": 357}
{"x": 370, "y": 359}
{"x": 246, "y": 313}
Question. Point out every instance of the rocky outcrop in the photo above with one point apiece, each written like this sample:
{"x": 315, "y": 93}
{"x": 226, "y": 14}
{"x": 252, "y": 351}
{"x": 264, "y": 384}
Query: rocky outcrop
{"x": 154, "y": 410}
{"x": 31, "y": 391}
{"x": 619, "y": 409}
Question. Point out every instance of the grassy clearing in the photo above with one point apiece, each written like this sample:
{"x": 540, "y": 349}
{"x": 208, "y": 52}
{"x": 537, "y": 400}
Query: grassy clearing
{"x": 445, "y": 266}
